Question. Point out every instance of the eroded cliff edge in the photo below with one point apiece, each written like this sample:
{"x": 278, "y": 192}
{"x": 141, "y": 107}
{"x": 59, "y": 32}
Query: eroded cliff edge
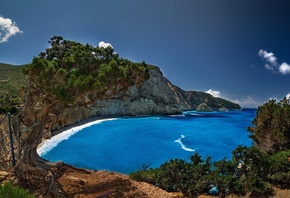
{"x": 157, "y": 96}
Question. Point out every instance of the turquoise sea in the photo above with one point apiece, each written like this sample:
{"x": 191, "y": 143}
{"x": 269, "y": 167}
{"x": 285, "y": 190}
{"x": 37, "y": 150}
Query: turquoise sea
{"x": 125, "y": 144}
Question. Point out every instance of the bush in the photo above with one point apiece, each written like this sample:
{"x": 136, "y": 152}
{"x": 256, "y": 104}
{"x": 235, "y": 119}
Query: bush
{"x": 178, "y": 175}
{"x": 246, "y": 172}
{"x": 279, "y": 168}
{"x": 9, "y": 191}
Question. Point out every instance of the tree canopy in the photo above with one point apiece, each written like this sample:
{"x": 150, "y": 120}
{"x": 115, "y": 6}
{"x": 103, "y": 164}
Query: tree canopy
{"x": 69, "y": 69}
{"x": 271, "y": 126}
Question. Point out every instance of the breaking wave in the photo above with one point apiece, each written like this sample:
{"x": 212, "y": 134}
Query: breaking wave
{"x": 182, "y": 145}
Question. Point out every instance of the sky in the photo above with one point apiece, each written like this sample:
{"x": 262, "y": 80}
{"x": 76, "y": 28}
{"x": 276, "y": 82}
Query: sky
{"x": 234, "y": 49}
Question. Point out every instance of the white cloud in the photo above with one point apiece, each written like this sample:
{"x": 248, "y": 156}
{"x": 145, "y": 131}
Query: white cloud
{"x": 249, "y": 102}
{"x": 269, "y": 57}
{"x": 7, "y": 29}
{"x": 272, "y": 64}
{"x": 214, "y": 93}
{"x": 284, "y": 68}
{"x": 288, "y": 96}
{"x": 104, "y": 45}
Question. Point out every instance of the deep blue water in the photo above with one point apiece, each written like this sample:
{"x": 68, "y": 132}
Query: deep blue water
{"x": 125, "y": 144}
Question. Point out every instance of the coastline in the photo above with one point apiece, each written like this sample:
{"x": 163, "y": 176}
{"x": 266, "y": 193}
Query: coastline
{"x": 77, "y": 124}
{"x": 65, "y": 132}
{"x": 96, "y": 118}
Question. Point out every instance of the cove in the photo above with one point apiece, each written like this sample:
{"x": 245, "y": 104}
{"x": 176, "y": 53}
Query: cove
{"x": 124, "y": 144}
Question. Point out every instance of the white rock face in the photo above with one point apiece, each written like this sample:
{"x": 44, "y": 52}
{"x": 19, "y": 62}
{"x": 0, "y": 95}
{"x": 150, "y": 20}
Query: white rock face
{"x": 157, "y": 96}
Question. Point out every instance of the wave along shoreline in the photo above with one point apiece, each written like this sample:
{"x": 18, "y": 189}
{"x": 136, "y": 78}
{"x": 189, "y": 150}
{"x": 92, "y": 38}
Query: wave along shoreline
{"x": 49, "y": 144}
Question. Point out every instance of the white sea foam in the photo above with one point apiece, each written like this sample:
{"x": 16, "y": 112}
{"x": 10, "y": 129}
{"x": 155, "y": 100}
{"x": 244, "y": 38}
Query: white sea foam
{"x": 177, "y": 115}
{"x": 49, "y": 144}
{"x": 182, "y": 145}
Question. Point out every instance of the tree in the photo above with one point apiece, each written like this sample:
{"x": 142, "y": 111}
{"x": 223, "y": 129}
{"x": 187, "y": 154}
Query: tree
{"x": 251, "y": 170}
{"x": 279, "y": 168}
{"x": 271, "y": 126}
{"x": 223, "y": 176}
{"x": 59, "y": 78}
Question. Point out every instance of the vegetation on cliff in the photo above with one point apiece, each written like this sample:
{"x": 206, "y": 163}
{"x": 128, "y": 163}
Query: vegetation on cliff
{"x": 252, "y": 169}
{"x": 70, "y": 69}
{"x": 195, "y": 98}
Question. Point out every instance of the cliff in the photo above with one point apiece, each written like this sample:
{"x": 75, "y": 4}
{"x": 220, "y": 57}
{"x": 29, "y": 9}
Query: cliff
{"x": 157, "y": 96}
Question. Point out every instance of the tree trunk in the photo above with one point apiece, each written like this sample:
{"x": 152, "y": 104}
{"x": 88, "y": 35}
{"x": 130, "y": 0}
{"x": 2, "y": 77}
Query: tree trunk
{"x": 31, "y": 170}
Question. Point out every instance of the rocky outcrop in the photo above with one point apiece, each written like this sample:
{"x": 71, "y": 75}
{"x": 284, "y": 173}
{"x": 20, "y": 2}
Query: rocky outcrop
{"x": 157, "y": 96}
{"x": 203, "y": 108}
{"x": 154, "y": 97}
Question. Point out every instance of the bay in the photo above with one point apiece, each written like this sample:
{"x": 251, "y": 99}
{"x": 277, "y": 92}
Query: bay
{"x": 125, "y": 144}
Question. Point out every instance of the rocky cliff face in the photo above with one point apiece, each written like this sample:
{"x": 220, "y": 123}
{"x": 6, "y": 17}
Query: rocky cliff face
{"x": 157, "y": 96}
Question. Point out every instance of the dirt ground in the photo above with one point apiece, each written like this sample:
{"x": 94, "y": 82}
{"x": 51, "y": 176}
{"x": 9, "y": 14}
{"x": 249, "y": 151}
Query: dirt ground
{"x": 79, "y": 183}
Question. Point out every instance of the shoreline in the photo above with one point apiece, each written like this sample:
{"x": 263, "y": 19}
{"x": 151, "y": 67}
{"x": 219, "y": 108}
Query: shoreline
{"x": 76, "y": 124}
{"x": 83, "y": 122}
{"x": 71, "y": 127}
{"x": 95, "y": 118}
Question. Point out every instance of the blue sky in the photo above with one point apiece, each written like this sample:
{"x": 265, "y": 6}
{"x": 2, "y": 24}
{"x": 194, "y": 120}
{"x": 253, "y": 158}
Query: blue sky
{"x": 237, "y": 49}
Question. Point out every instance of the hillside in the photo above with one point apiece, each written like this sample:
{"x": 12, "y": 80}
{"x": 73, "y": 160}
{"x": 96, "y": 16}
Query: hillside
{"x": 11, "y": 81}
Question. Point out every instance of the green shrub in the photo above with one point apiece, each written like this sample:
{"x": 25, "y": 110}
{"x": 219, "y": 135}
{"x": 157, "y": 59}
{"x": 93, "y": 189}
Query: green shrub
{"x": 178, "y": 175}
{"x": 9, "y": 191}
{"x": 279, "y": 168}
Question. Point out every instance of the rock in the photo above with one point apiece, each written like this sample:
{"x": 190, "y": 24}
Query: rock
{"x": 204, "y": 108}
{"x": 223, "y": 109}
{"x": 156, "y": 96}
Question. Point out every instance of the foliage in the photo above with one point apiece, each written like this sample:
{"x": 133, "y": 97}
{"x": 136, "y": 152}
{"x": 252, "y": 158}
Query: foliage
{"x": 178, "y": 175}
{"x": 279, "y": 168}
{"x": 217, "y": 103}
{"x": 195, "y": 98}
{"x": 271, "y": 126}
{"x": 11, "y": 82}
{"x": 8, "y": 108}
{"x": 249, "y": 171}
{"x": 7, "y": 191}
{"x": 69, "y": 69}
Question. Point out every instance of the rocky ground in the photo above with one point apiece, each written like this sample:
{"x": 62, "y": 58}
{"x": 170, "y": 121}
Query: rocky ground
{"x": 84, "y": 183}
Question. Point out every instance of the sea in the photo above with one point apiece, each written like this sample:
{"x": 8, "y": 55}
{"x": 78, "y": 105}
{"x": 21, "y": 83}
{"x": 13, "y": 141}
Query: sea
{"x": 127, "y": 144}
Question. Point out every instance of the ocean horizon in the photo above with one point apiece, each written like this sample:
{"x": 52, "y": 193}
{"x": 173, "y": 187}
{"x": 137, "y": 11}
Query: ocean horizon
{"x": 126, "y": 144}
